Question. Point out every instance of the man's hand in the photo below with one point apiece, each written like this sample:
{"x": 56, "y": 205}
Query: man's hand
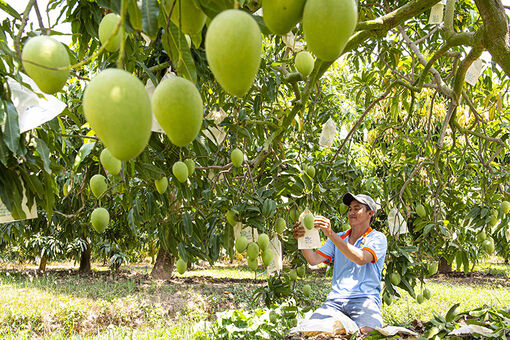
{"x": 324, "y": 224}
{"x": 298, "y": 230}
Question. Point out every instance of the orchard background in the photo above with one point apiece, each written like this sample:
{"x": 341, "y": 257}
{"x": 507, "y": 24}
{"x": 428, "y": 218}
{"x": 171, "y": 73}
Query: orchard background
{"x": 418, "y": 130}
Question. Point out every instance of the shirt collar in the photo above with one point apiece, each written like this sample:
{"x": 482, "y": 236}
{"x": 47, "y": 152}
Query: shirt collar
{"x": 348, "y": 232}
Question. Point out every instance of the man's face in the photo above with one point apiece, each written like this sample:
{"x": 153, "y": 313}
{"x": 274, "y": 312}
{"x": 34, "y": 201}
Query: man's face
{"x": 359, "y": 214}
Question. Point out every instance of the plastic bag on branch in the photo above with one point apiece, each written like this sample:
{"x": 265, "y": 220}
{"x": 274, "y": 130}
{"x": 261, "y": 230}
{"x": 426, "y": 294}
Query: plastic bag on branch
{"x": 33, "y": 110}
{"x": 290, "y": 41}
{"x": 396, "y": 223}
{"x": 328, "y": 133}
{"x": 215, "y": 134}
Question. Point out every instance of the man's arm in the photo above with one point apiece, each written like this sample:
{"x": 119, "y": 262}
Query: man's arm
{"x": 311, "y": 256}
{"x": 356, "y": 255}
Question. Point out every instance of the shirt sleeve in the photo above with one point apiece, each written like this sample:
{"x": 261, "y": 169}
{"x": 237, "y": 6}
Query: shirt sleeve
{"x": 376, "y": 246}
{"x": 328, "y": 251}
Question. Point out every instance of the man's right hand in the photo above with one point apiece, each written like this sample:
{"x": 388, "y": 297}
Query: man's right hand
{"x": 298, "y": 230}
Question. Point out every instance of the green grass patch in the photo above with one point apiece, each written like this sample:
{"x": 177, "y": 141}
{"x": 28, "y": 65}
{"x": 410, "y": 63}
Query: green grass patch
{"x": 444, "y": 294}
{"x": 64, "y": 305}
{"x": 498, "y": 269}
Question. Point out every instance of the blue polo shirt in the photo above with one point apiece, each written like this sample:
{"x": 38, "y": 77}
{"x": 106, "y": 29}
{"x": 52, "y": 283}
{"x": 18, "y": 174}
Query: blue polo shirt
{"x": 352, "y": 280}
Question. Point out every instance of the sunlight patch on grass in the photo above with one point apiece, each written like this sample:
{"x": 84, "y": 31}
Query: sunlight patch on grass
{"x": 225, "y": 272}
{"x": 499, "y": 269}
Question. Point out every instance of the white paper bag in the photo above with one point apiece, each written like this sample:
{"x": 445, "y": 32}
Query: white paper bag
{"x": 436, "y": 14}
{"x": 277, "y": 263}
{"x": 328, "y": 133}
{"x": 474, "y": 71}
{"x": 396, "y": 223}
{"x": 311, "y": 239}
{"x": 393, "y": 330}
{"x": 251, "y": 234}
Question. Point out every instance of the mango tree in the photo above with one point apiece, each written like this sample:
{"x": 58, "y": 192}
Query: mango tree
{"x": 415, "y": 132}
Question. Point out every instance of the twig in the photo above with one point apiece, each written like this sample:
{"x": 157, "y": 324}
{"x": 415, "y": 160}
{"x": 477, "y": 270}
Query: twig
{"x": 216, "y": 167}
{"x": 123, "y": 17}
{"x": 39, "y": 18}
{"x": 451, "y": 109}
{"x": 439, "y": 81}
{"x": 251, "y": 179}
{"x": 24, "y": 20}
{"x": 161, "y": 66}
{"x": 78, "y": 136}
{"x": 472, "y": 107}
{"x": 360, "y": 119}
{"x": 428, "y": 35}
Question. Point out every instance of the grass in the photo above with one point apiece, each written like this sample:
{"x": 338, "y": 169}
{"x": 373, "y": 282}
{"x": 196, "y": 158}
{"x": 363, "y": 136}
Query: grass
{"x": 499, "y": 269}
{"x": 63, "y": 305}
{"x": 444, "y": 295}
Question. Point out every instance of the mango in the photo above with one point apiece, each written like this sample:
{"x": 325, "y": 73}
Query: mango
{"x": 233, "y": 47}
{"x": 118, "y": 109}
{"x": 46, "y": 51}
{"x": 178, "y": 107}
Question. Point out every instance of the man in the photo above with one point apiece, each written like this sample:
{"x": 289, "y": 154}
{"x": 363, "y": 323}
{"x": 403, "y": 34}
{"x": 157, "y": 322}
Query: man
{"x": 358, "y": 258}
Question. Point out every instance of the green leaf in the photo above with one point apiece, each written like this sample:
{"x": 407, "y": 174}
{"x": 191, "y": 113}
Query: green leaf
{"x": 131, "y": 221}
{"x": 150, "y": 12}
{"x": 212, "y": 7}
{"x": 262, "y": 25}
{"x": 33, "y": 183}
{"x": 11, "y": 128}
{"x": 9, "y": 10}
{"x": 135, "y": 15}
{"x": 149, "y": 171}
{"x": 268, "y": 207}
{"x": 177, "y": 49}
{"x": 188, "y": 225}
{"x": 84, "y": 151}
{"x": 196, "y": 39}
{"x": 49, "y": 195}
{"x": 44, "y": 153}
{"x": 114, "y": 5}
{"x": 149, "y": 73}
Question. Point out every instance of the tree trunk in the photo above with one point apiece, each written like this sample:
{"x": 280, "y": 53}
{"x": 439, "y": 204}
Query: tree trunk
{"x": 164, "y": 266}
{"x": 85, "y": 259}
{"x": 42, "y": 263}
{"x": 444, "y": 267}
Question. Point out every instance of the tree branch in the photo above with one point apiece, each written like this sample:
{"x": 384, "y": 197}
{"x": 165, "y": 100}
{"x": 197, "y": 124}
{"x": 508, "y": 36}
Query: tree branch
{"x": 448, "y": 18}
{"x": 496, "y": 37}
{"x": 397, "y": 17}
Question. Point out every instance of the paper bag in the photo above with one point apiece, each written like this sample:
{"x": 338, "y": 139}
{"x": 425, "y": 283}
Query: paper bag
{"x": 311, "y": 239}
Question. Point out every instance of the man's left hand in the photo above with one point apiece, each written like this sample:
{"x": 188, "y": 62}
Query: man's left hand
{"x": 324, "y": 224}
